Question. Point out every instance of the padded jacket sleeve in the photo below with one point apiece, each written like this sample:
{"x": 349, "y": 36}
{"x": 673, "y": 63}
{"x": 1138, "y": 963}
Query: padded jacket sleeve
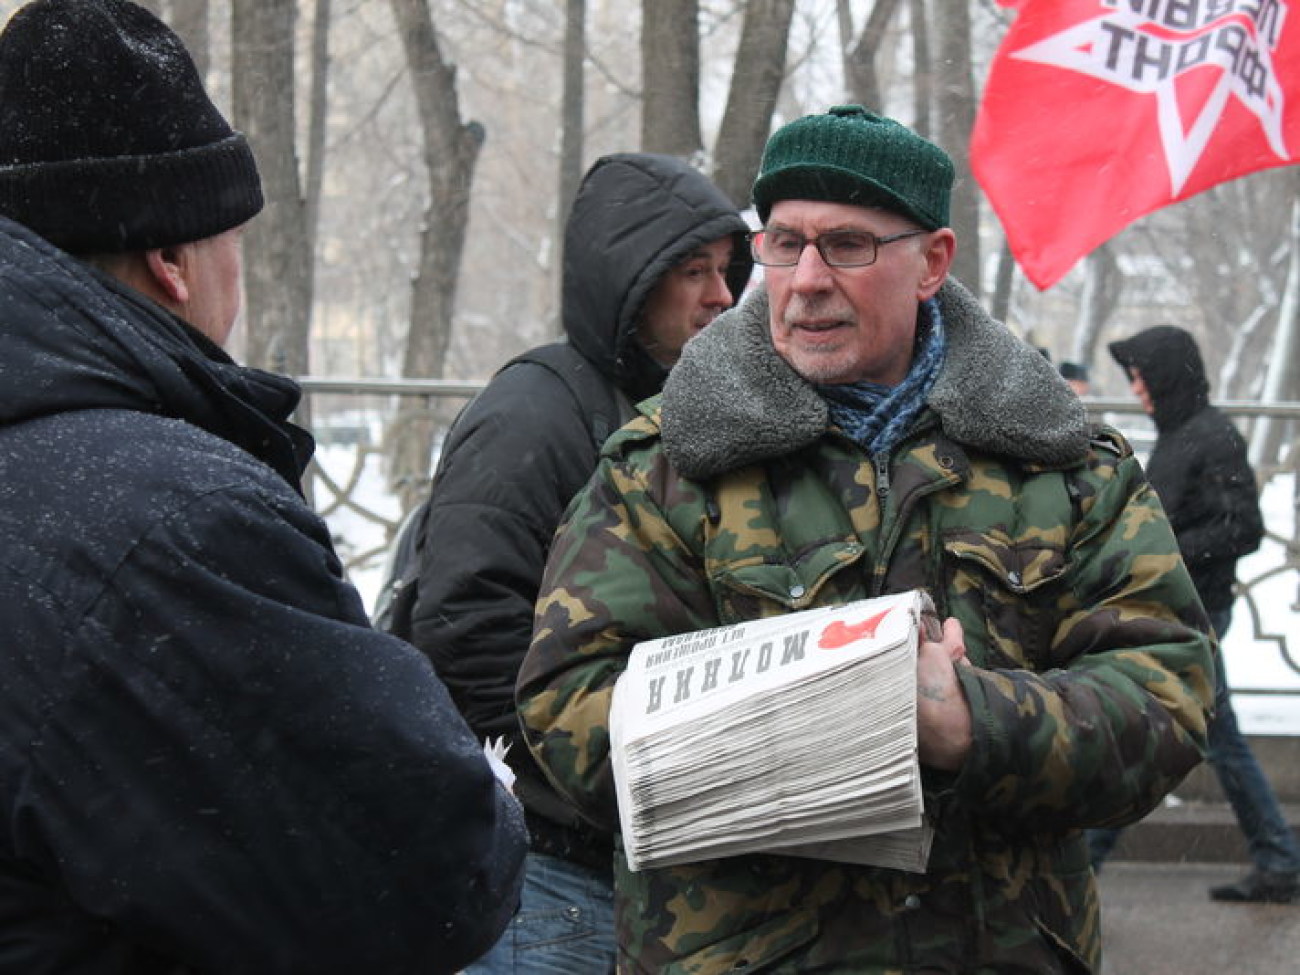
{"x": 241, "y": 774}
{"x": 518, "y": 455}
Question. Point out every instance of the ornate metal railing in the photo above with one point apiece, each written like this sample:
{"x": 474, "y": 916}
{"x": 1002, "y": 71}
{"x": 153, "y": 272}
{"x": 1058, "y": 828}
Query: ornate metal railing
{"x": 336, "y": 492}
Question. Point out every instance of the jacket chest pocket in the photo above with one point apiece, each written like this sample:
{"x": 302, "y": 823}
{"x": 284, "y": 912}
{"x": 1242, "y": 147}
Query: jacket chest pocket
{"x": 779, "y": 541}
{"x": 1015, "y": 592}
{"x": 763, "y": 586}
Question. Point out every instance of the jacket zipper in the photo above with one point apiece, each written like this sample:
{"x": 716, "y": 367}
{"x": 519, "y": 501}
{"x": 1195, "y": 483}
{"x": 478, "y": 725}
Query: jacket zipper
{"x": 883, "y": 489}
{"x": 881, "y": 464}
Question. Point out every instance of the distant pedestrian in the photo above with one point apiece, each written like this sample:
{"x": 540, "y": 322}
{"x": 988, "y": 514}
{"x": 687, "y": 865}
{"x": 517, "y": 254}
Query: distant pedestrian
{"x": 1076, "y": 376}
{"x": 1199, "y": 469}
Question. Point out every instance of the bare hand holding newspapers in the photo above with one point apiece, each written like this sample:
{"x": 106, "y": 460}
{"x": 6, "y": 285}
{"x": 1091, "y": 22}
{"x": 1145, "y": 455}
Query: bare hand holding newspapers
{"x": 942, "y": 714}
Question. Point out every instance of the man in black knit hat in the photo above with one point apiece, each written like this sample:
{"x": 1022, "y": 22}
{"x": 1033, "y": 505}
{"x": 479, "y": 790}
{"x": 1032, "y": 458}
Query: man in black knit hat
{"x": 208, "y": 760}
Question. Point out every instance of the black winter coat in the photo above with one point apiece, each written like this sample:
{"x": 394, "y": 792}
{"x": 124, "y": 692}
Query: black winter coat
{"x": 208, "y": 760}
{"x": 523, "y": 449}
{"x": 1198, "y": 466}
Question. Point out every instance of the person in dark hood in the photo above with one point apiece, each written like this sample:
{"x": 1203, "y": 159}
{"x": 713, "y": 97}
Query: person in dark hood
{"x": 1199, "y": 470}
{"x": 209, "y": 762}
{"x": 653, "y": 252}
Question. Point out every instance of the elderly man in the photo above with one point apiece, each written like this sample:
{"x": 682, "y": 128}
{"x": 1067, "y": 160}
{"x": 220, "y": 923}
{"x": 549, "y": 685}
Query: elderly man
{"x": 856, "y": 427}
{"x": 208, "y": 760}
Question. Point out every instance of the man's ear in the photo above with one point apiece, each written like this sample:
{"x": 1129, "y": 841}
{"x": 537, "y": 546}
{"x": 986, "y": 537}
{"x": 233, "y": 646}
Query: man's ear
{"x": 938, "y": 259}
{"x": 168, "y": 272}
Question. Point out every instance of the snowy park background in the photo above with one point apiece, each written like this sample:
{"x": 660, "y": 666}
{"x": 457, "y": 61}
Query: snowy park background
{"x": 1252, "y": 664}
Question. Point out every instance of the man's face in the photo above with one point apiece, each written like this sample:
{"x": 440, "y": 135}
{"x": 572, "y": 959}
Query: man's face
{"x": 849, "y": 324}
{"x": 214, "y": 279}
{"x": 689, "y": 296}
{"x": 1139, "y": 387}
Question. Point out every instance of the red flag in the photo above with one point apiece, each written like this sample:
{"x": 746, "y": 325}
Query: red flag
{"x": 1097, "y": 112}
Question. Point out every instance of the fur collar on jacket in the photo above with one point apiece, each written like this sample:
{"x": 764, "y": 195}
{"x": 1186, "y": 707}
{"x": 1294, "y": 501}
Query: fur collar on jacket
{"x": 733, "y": 401}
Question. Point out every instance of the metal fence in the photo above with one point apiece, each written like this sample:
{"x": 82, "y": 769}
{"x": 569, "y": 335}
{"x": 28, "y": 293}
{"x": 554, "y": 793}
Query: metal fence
{"x": 354, "y": 412}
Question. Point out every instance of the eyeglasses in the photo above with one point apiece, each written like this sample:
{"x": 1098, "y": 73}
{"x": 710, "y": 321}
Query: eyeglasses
{"x": 838, "y": 248}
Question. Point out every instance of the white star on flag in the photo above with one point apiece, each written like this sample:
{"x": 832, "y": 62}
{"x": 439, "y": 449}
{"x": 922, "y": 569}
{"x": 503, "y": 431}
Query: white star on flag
{"x": 1107, "y": 47}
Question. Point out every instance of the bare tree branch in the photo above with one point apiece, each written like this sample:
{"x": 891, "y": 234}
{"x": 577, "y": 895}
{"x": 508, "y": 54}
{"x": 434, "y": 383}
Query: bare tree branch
{"x": 860, "y": 55}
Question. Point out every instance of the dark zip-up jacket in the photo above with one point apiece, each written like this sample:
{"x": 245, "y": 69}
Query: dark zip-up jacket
{"x": 524, "y": 447}
{"x": 1198, "y": 466}
{"x": 209, "y": 762}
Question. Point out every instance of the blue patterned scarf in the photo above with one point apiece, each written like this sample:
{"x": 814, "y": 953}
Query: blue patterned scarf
{"x": 875, "y": 416}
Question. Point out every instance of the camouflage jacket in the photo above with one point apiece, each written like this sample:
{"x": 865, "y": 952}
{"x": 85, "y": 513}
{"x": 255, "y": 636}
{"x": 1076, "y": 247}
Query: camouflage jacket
{"x": 732, "y": 498}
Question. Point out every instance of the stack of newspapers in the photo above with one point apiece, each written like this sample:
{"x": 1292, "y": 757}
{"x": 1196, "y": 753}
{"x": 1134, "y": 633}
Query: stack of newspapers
{"x": 793, "y": 735}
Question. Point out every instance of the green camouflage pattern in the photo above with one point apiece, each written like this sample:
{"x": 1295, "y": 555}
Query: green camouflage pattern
{"x": 1091, "y": 679}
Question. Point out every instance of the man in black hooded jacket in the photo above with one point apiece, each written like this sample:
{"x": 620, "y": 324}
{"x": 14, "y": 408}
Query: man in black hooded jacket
{"x": 1199, "y": 469}
{"x": 209, "y": 762}
{"x": 653, "y": 252}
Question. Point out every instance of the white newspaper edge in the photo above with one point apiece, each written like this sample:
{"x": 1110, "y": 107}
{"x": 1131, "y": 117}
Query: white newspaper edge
{"x": 903, "y": 849}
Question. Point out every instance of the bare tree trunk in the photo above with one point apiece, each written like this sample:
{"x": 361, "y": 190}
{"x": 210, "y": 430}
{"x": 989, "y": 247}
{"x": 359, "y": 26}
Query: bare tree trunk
{"x": 1232, "y": 384}
{"x": 670, "y": 77}
{"x": 277, "y": 256}
{"x": 189, "y": 18}
{"x": 923, "y": 83}
{"x": 450, "y": 153}
{"x": 860, "y": 56}
{"x": 1266, "y": 446}
{"x": 318, "y": 115}
{"x": 957, "y": 104}
{"x": 755, "y": 85}
{"x": 1000, "y": 303}
{"x": 572, "y": 119}
{"x": 1101, "y": 291}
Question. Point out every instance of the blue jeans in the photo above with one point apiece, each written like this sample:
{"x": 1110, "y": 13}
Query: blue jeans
{"x": 565, "y": 924}
{"x": 1271, "y": 843}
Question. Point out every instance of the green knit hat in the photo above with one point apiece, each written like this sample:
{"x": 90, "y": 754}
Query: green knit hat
{"x": 850, "y": 155}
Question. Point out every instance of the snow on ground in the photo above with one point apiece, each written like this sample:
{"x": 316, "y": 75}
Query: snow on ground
{"x": 1252, "y": 664}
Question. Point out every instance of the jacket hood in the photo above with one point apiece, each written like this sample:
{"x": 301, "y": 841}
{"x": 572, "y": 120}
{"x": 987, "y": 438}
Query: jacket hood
{"x": 732, "y": 400}
{"x": 73, "y": 338}
{"x": 1171, "y": 366}
{"x": 634, "y": 217}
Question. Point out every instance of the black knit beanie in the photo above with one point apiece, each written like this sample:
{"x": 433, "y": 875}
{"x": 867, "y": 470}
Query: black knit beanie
{"x": 108, "y": 142}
